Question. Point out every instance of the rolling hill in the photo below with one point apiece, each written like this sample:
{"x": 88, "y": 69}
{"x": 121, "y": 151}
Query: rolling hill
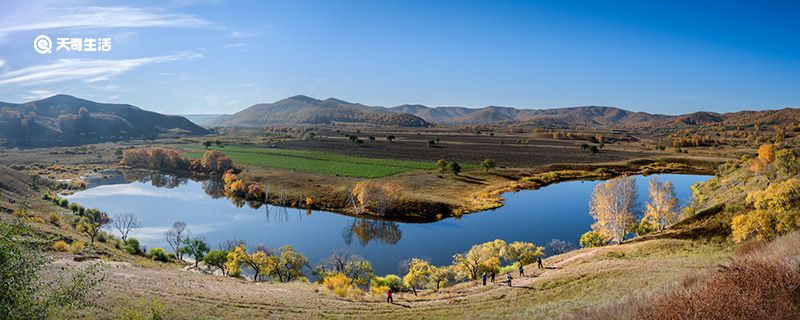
{"x": 67, "y": 120}
{"x": 306, "y": 110}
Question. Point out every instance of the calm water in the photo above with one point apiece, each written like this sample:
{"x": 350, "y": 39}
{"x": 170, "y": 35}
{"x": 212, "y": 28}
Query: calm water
{"x": 555, "y": 212}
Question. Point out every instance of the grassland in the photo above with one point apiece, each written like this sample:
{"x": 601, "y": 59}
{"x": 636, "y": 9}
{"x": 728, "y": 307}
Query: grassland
{"x": 314, "y": 161}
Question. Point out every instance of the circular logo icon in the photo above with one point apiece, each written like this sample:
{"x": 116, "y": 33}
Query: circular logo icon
{"x": 42, "y": 44}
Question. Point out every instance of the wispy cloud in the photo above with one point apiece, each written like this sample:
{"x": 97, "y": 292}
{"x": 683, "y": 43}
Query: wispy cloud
{"x": 104, "y": 17}
{"x": 2, "y": 63}
{"x": 38, "y": 94}
{"x": 87, "y": 70}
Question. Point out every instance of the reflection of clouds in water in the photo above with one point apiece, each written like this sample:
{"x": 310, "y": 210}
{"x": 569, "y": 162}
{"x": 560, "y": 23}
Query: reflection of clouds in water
{"x": 150, "y": 234}
{"x": 134, "y": 189}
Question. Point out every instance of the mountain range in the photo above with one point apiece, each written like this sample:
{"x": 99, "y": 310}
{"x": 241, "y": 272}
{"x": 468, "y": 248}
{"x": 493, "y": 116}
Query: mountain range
{"x": 67, "y": 120}
{"x": 306, "y": 110}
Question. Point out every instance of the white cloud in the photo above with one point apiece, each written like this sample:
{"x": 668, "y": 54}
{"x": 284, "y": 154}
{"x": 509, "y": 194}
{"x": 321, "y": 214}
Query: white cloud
{"x": 87, "y": 70}
{"x": 38, "y": 94}
{"x": 103, "y": 17}
{"x": 2, "y": 63}
{"x": 235, "y": 45}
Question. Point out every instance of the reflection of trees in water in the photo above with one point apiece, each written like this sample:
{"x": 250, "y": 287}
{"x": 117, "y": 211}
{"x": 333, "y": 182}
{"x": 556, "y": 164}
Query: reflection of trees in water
{"x": 367, "y": 230}
{"x": 214, "y": 188}
{"x": 160, "y": 180}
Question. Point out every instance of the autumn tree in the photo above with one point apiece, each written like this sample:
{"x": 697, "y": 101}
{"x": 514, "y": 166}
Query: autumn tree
{"x": 441, "y": 276}
{"x": 216, "y": 162}
{"x": 522, "y": 253}
{"x": 613, "y": 206}
{"x": 775, "y": 212}
{"x": 488, "y": 164}
{"x": 92, "y": 221}
{"x": 441, "y": 165}
{"x": 662, "y": 210}
{"x": 356, "y": 268}
{"x": 418, "y": 275}
{"x": 261, "y": 261}
{"x": 289, "y": 265}
{"x": 483, "y": 257}
{"x": 124, "y": 223}
{"x": 766, "y": 155}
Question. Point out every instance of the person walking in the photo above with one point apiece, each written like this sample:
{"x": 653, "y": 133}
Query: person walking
{"x": 521, "y": 270}
{"x": 539, "y": 262}
{"x": 389, "y": 296}
{"x": 508, "y": 278}
{"x": 483, "y": 276}
{"x": 491, "y": 276}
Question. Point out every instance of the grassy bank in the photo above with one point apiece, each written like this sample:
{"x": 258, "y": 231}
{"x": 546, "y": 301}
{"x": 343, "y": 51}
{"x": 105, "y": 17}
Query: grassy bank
{"x": 314, "y": 161}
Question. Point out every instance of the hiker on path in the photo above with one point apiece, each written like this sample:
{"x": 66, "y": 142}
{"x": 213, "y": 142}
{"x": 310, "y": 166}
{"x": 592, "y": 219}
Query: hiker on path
{"x": 539, "y": 261}
{"x": 483, "y": 276}
{"x": 521, "y": 270}
{"x": 508, "y": 278}
{"x": 491, "y": 276}
{"x": 389, "y": 296}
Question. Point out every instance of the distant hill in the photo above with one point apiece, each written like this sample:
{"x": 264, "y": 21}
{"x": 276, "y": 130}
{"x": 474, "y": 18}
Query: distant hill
{"x": 67, "y": 120}
{"x": 586, "y": 116}
{"x": 201, "y": 119}
{"x": 307, "y": 110}
{"x": 594, "y": 116}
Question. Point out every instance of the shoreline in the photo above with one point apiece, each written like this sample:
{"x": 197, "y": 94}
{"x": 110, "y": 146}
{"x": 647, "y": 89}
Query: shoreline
{"x": 484, "y": 197}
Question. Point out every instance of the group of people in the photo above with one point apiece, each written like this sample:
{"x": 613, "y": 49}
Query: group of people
{"x": 484, "y": 278}
{"x": 508, "y": 274}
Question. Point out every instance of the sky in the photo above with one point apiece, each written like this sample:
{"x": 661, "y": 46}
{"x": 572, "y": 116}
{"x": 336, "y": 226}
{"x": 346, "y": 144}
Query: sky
{"x": 218, "y": 56}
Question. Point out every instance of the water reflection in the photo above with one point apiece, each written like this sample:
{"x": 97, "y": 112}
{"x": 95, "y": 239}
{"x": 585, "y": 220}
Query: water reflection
{"x": 554, "y": 212}
{"x": 367, "y": 230}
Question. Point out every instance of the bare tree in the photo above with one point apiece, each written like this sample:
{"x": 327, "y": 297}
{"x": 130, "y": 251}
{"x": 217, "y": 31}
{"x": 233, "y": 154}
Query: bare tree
{"x": 124, "y": 223}
{"x": 174, "y": 237}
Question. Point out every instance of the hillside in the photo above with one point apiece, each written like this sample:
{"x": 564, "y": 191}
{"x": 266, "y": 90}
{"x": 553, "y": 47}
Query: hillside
{"x": 201, "y": 119}
{"x": 67, "y": 120}
{"x": 307, "y": 110}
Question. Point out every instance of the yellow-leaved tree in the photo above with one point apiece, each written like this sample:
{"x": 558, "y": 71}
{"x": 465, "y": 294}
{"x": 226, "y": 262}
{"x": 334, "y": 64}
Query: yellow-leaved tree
{"x": 766, "y": 155}
{"x": 662, "y": 210}
{"x": 612, "y": 206}
{"x": 480, "y": 258}
{"x": 776, "y": 212}
{"x": 522, "y": 253}
{"x": 419, "y": 274}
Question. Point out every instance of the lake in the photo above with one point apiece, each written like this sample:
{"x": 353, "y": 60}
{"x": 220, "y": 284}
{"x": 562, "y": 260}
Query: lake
{"x": 558, "y": 211}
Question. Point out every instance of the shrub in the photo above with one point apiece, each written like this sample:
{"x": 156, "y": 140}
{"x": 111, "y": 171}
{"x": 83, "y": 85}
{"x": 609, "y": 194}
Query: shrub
{"x": 61, "y": 246}
{"x": 340, "y": 284}
{"x": 390, "y": 281}
{"x": 132, "y": 246}
{"x": 158, "y": 254}
{"x": 77, "y": 246}
{"x": 54, "y": 219}
{"x": 593, "y": 239}
{"x": 747, "y": 289}
{"x": 379, "y": 289}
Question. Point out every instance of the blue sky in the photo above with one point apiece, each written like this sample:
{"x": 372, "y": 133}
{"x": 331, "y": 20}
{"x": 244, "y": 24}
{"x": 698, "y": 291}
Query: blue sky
{"x": 188, "y": 56}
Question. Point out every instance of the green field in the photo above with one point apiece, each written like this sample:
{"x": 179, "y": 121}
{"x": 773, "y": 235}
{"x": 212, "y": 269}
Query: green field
{"x": 313, "y": 161}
